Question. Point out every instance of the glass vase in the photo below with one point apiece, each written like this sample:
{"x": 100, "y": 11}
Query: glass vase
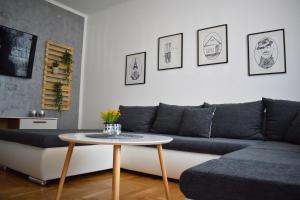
{"x": 112, "y": 129}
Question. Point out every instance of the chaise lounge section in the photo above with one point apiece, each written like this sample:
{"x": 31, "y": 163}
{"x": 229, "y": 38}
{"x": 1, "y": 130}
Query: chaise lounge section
{"x": 269, "y": 170}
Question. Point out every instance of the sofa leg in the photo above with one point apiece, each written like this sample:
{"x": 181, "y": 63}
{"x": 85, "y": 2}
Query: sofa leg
{"x": 38, "y": 181}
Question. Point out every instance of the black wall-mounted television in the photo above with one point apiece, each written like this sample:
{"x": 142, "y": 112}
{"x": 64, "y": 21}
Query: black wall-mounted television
{"x": 17, "y": 50}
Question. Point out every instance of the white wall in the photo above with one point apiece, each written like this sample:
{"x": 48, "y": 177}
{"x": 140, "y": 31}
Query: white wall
{"x": 135, "y": 26}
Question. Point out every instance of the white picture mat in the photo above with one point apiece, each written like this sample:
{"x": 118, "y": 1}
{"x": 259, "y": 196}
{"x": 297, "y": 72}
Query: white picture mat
{"x": 176, "y": 49}
{"x": 279, "y": 65}
{"x": 202, "y": 35}
{"x": 140, "y": 60}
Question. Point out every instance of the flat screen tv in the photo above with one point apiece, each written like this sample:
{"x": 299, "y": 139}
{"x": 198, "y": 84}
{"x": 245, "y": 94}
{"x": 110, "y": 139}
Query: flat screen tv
{"x": 17, "y": 51}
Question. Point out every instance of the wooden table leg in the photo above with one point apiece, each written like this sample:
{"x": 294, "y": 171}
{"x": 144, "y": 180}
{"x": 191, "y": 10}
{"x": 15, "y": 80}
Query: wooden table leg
{"x": 65, "y": 170}
{"x": 116, "y": 172}
{"x": 163, "y": 170}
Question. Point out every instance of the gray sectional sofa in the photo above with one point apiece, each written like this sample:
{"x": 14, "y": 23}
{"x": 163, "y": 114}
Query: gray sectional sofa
{"x": 259, "y": 144}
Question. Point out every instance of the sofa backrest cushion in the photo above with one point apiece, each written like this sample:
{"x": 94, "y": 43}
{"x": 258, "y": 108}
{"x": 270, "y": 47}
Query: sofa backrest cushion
{"x": 279, "y": 116}
{"x": 168, "y": 118}
{"x": 293, "y": 133}
{"x": 238, "y": 121}
{"x": 196, "y": 122}
{"x": 137, "y": 118}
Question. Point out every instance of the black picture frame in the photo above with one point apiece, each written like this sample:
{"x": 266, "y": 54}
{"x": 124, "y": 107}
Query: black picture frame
{"x": 181, "y": 54}
{"x": 284, "y": 52}
{"x": 198, "y": 45}
{"x": 8, "y": 39}
{"x": 144, "y": 53}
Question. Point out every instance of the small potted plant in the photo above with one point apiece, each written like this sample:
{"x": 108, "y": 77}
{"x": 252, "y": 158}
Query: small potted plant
{"x": 67, "y": 60}
{"x": 110, "y": 118}
{"x": 58, "y": 96}
{"x": 55, "y": 68}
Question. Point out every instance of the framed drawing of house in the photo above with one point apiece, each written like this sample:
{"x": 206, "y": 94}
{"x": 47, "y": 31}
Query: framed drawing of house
{"x": 135, "y": 72}
{"x": 170, "y": 51}
{"x": 212, "y": 45}
{"x": 266, "y": 53}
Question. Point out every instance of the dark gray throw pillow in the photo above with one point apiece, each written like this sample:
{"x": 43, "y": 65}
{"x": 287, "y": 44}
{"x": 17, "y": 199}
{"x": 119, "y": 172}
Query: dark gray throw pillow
{"x": 168, "y": 118}
{"x": 279, "y": 116}
{"x": 137, "y": 118}
{"x": 238, "y": 121}
{"x": 196, "y": 122}
{"x": 293, "y": 133}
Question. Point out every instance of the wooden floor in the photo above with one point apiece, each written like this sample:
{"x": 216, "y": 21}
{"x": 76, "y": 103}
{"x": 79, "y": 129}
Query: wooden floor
{"x": 134, "y": 186}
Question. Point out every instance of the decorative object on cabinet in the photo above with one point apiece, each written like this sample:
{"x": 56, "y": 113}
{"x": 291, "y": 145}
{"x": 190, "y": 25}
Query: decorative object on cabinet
{"x": 135, "y": 72}
{"x": 212, "y": 45}
{"x": 170, "y": 51}
{"x": 56, "y": 94}
{"x": 41, "y": 113}
{"x": 266, "y": 53}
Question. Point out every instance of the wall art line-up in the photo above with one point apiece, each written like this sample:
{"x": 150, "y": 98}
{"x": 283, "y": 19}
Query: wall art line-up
{"x": 266, "y": 53}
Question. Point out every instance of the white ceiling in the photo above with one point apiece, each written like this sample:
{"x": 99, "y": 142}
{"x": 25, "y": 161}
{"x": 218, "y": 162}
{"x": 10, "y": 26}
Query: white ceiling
{"x": 90, "y": 6}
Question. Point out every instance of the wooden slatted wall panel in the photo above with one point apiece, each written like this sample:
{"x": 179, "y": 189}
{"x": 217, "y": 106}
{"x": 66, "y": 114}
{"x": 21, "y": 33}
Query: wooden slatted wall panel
{"x": 54, "y": 52}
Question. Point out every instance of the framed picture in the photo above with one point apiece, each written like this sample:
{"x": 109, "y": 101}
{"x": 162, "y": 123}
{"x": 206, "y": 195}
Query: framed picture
{"x": 17, "y": 51}
{"x": 212, "y": 45}
{"x": 135, "y": 72}
{"x": 266, "y": 53}
{"x": 170, "y": 51}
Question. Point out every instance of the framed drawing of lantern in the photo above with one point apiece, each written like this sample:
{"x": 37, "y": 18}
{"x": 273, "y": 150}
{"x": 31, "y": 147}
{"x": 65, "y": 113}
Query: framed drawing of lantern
{"x": 266, "y": 53}
{"x": 170, "y": 51}
{"x": 135, "y": 72}
{"x": 212, "y": 45}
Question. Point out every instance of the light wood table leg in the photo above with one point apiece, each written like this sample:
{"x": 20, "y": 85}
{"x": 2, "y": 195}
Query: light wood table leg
{"x": 116, "y": 172}
{"x": 65, "y": 170}
{"x": 163, "y": 170}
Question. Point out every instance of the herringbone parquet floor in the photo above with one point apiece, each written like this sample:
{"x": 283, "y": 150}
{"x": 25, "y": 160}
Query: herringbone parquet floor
{"x": 93, "y": 186}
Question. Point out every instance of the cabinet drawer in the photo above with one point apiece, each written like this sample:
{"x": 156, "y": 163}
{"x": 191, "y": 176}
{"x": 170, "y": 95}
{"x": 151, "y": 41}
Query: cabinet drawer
{"x": 38, "y": 123}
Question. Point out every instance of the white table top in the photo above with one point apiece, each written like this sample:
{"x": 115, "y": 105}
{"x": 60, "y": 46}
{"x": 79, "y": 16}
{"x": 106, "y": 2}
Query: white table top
{"x": 143, "y": 139}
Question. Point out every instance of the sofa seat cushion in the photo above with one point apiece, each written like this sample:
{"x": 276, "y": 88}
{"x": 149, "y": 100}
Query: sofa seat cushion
{"x": 287, "y": 155}
{"x": 277, "y": 146}
{"x": 137, "y": 118}
{"x": 238, "y": 120}
{"x": 229, "y": 179}
{"x": 43, "y": 138}
{"x": 217, "y": 146}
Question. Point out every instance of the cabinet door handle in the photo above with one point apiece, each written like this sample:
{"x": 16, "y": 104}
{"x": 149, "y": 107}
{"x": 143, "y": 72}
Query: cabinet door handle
{"x": 39, "y": 122}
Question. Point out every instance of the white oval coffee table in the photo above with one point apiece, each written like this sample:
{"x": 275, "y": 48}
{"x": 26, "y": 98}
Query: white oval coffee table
{"x": 117, "y": 142}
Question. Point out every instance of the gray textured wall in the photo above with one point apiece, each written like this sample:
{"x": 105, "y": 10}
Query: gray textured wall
{"x": 18, "y": 96}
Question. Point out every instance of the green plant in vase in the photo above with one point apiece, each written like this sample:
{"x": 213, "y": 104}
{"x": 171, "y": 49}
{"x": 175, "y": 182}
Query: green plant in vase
{"x": 54, "y": 67}
{"x": 58, "y": 95}
{"x": 110, "y": 118}
{"x": 67, "y": 60}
